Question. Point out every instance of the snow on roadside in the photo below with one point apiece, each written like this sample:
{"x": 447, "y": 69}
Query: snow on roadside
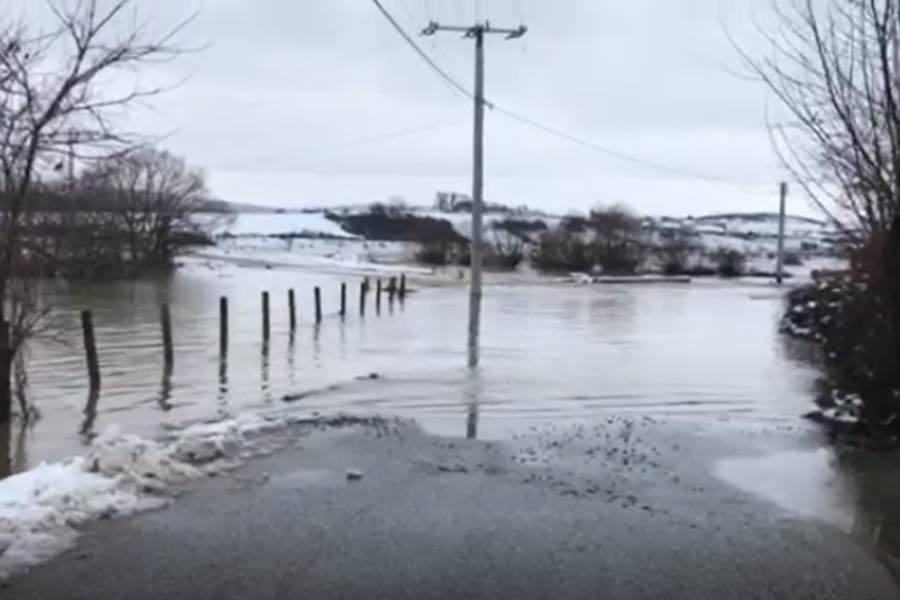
{"x": 120, "y": 474}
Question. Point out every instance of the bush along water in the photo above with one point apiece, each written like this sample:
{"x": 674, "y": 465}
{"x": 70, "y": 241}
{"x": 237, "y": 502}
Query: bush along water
{"x": 855, "y": 321}
{"x": 811, "y": 309}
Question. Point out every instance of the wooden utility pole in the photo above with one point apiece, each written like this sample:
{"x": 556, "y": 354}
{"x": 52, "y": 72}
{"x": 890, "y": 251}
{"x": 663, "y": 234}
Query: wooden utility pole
{"x": 476, "y": 32}
{"x": 782, "y": 202}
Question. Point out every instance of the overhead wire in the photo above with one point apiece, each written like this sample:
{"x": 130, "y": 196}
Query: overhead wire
{"x": 445, "y": 77}
{"x": 388, "y": 136}
{"x": 609, "y": 151}
{"x": 461, "y": 89}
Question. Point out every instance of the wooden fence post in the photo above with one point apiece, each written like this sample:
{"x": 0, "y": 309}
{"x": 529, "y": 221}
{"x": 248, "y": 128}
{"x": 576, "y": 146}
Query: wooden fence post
{"x": 362, "y": 298}
{"x": 265, "y": 315}
{"x": 165, "y": 317}
{"x": 392, "y": 289}
{"x": 317, "y": 293}
{"x": 90, "y": 349}
{"x": 292, "y": 310}
{"x": 223, "y": 326}
{"x": 402, "y": 286}
{"x": 378, "y": 295}
{"x": 343, "y": 300}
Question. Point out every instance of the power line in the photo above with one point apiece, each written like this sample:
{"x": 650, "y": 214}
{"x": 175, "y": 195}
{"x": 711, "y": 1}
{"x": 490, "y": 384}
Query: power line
{"x": 452, "y": 83}
{"x": 456, "y": 86}
{"x": 389, "y": 135}
{"x": 608, "y": 151}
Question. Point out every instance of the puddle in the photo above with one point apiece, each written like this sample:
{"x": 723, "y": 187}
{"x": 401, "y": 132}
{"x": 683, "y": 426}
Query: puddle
{"x": 876, "y": 479}
{"x": 810, "y": 483}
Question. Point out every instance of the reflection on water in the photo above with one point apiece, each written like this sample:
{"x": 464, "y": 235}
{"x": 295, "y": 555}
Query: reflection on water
{"x": 222, "y": 390}
{"x": 165, "y": 388}
{"x": 877, "y": 483}
{"x": 265, "y": 371}
{"x": 472, "y": 393}
{"x": 806, "y": 482}
{"x": 90, "y": 414}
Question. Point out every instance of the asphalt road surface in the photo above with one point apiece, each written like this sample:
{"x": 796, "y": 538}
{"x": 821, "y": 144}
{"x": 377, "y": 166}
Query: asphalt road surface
{"x": 613, "y": 512}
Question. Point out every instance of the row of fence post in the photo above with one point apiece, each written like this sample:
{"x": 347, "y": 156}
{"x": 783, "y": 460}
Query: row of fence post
{"x": 396, "y": 290}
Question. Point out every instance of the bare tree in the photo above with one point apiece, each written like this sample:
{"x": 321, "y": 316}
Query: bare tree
{"x": 52, "y": 105}
{"x": 835, "y": 66}
{"x": 674, "y": 247}
{"x": 505, "y": 250}
{"x": 156, "y": 202}
{"x": 561, "y": 249}
{"x": 620, "y": 241}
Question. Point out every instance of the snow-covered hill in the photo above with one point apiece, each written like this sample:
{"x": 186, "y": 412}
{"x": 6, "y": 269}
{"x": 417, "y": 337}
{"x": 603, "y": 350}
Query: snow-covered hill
{"x": 270, "y": 224}
{"x": 754, "y": 234}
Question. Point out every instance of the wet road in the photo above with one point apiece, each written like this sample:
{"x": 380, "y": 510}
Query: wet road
{"x": 620, "y": 510}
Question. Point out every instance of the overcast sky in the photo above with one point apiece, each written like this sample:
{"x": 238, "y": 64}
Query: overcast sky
{"x": 277, "y": 105}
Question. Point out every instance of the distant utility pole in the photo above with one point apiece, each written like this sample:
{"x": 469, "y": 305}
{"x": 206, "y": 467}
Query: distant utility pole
{"x": 70, "y": 158}
{"x": 477, "y": 32}
{"x": 782, "y": 201}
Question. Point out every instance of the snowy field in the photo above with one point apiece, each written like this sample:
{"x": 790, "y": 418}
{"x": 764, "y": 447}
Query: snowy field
{"x": 316, "y": 254}
{"x": 753, "y": 235}
{"x": 287, "y": 223}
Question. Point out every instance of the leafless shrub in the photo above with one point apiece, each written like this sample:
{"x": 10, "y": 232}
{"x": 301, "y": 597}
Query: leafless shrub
{"x": 613, "y": 239}
{"x": 150, "y": 203}
{"x": 729, "y": 263}
{"x": 560, "y": 250}
{"x": 792, "y": 259}
{"x": 505, "y": 250}
{"x": 621, "y": 243}
{"x": 434, "y": 253}
{"x": 674, "y": 247}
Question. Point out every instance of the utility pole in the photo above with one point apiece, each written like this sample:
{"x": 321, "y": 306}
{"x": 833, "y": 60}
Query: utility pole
{"x": 70, "y": 159}
{"x": 477, "y": 32}
{"x": 782, "y": 201}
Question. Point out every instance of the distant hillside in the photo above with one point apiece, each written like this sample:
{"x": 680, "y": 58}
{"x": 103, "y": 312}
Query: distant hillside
{"x": 251, "y": 208}
{"x": 754, "y": 234}
{"x": 50, "y": 201}
{"x": 758, "y": 217}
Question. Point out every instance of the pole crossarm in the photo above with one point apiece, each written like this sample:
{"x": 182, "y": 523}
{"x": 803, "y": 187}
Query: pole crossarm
{"x": 471, "y": 31}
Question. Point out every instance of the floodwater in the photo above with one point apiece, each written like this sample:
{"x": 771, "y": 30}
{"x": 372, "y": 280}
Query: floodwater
{"x": 551, "y": 354}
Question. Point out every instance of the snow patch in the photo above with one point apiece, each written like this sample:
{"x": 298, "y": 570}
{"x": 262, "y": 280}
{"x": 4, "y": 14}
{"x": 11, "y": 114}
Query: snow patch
{"x": 305, "y": 259}
{"x": 121, "y": 474}
{"x": 285, "y": 223}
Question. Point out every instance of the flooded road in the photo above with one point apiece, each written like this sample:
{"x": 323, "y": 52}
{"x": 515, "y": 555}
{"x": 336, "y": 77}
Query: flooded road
{"x": 551, "y": 353}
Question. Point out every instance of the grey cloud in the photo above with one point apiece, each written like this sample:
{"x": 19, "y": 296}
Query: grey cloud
{"x": 282, "y": 83}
